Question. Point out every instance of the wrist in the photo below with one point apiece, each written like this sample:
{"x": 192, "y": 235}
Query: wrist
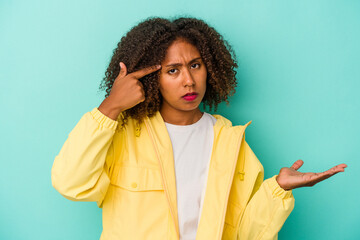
{"x": 276, "y": 190}
{"x": 281, "y": 184}
{"x": 108, "y": 109}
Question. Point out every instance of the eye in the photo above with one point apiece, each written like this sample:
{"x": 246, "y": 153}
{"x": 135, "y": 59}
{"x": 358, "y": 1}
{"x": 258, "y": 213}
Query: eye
{"x": 172, "y": 71}
{"x": 195, "y": 65}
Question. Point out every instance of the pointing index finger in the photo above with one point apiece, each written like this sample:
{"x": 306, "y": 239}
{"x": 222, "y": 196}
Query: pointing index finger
{"x": 145, "y": 71}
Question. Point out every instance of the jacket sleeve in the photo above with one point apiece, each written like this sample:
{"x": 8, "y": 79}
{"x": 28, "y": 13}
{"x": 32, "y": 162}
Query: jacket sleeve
{"x": 267, "y": 210}
{"x": 81, "y": 170}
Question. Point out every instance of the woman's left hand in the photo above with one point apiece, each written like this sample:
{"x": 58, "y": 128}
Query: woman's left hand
{"x": 290, "y": 178}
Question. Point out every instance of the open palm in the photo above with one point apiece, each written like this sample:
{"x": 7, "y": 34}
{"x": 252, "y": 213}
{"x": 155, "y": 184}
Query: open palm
{"x": 290, "y": 178}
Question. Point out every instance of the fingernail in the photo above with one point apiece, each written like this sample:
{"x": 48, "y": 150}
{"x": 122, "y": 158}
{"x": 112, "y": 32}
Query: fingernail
{"x": 158, "y": 66}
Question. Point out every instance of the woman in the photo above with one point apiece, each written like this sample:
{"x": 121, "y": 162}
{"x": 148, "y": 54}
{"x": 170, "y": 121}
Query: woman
{"x": 158, "y": 166}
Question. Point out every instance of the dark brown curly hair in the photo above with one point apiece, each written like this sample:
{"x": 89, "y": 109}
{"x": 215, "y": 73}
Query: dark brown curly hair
{"x": 146, "y": 44}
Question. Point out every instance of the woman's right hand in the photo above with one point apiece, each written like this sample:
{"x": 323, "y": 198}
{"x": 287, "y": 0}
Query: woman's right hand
{"x": 126, "y": 92}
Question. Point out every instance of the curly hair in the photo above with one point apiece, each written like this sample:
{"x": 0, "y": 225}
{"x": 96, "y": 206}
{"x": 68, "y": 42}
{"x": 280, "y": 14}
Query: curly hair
{"x": 146, "y": 44}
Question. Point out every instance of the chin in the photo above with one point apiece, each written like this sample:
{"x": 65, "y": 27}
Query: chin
{"x": 189, "y": 109}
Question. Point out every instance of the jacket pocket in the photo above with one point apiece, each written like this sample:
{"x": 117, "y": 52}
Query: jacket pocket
{"x": 137, "y": 178}
{"x": 137, "y": 205}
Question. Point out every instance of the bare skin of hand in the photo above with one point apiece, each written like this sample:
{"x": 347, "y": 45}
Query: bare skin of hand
{"x": 126, "y": 92}
{"x": 290, "y": 178}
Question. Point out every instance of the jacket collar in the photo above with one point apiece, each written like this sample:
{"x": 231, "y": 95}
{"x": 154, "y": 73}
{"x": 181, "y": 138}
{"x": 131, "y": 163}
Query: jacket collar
{"x": 227, "y": 140}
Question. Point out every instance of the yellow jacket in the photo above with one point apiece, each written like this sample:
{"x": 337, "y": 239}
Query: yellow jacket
{"x": 129, "y": 172}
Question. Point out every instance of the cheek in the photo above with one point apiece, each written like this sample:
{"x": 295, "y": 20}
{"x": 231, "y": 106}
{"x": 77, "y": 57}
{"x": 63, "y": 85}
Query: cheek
{"x": 165, "y": 87}
{"x": 168, "y": 83}
{"x": 162, "y": 83}
{"x": 203, "y": 78}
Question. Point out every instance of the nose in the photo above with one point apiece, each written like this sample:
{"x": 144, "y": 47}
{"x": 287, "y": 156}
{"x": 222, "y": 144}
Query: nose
{"x": 188, "y": 79}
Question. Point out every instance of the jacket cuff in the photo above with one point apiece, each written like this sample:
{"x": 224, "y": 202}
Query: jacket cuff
{"x": 276, "y": 190}
{"x": 103, "y": 120}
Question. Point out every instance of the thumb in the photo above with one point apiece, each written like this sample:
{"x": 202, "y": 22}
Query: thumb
{"x": 123, "y": 70}
{"x": 297, "y": 164}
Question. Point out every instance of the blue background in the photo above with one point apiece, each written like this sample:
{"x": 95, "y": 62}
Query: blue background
{"x": 298, "y": 81}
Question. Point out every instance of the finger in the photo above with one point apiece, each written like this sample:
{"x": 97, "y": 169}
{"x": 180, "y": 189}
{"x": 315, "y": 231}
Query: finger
{"x": 123, "y": 70}
{"x": 142, "y": 99}
{"x": 313, "y": 178}
{"x": 297, "y": 164}
{"x": 145, "y": 71}
{"x": 336, "y": 169}
{"x": 318, "y": 177}
{"x": 142, "y": 92}
{"x": 343, "y": 165}
{"x": 140, "y": 84}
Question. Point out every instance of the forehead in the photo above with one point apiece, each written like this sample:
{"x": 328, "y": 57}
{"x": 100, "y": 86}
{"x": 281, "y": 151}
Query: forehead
{"x": 181, "y": 50}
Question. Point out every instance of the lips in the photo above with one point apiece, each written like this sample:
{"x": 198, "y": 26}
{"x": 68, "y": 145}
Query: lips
{"x": 190, "y": 96}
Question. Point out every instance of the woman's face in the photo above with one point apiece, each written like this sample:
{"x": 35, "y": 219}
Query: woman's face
{"x": 182, "y": 78}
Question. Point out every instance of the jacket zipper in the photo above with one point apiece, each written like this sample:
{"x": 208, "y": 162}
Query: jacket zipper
{"x": 162, "y": 175}
{"x": 229, "y": 188}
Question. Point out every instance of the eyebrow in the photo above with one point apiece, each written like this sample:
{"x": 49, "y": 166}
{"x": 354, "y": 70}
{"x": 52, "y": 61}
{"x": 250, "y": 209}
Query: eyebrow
{"x": 180, "y": 64}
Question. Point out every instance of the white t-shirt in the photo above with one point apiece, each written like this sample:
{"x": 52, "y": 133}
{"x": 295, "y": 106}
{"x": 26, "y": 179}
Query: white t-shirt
{"x": 192, "y": 147}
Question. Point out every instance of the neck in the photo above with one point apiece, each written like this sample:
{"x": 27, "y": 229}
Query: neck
{"x": 181, "y": 117}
